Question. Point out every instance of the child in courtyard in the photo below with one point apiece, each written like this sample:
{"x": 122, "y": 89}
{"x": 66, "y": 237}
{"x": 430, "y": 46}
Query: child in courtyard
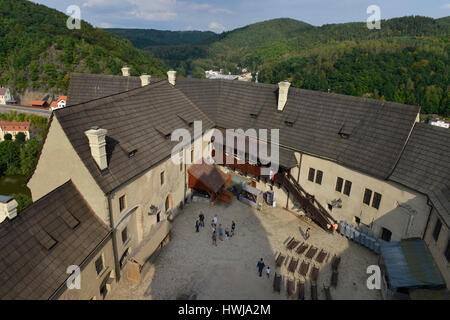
{"x": 197, "y": 225}
{"x": 233, "y": 226}
{"x": 214, "y": 239}
{"x": 268, "y": 272}
{"x": 307, "y": 233}
{"x": 227, "y": 233}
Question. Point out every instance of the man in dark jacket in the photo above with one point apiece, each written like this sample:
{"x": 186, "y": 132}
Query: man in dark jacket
{"x": 260, "y": 266}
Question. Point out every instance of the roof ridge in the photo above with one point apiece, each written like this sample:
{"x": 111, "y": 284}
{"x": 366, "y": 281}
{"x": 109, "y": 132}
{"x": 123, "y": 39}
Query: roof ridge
{"x": 111, "y": 95}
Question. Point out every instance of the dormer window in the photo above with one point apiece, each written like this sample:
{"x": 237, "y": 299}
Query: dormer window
{"x": 289, "y": 123}
{"x": 132, "y": 154}
{"x": 253, "y": 115}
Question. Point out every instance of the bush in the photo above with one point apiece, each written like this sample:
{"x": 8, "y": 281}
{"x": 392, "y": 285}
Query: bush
{"x": 8, "y": 136}
{"x": 23, "y": 201}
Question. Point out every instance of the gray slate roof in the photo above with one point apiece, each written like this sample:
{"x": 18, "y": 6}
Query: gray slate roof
{"x": 312, "y": 122}
{"x": 136, "y": 119}
{"x": 85, "y": 87}
{"x": 28, "y": 270}
{"x": 377, "y": 130}
{"x": 425, "y": 166}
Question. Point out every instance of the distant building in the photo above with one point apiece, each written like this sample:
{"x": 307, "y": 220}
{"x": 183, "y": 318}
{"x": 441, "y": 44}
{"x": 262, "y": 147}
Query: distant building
{"x": 5, "y": 96}
{"x": 14, "y": 128}
{"x": 59, "y": 103}
{"x": 440, "y": 123}
{"x": 211, "y": 74}
{"x": 38, "y": 103}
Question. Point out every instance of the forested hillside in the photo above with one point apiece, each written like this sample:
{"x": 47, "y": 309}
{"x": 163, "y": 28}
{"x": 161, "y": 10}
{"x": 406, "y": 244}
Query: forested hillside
{"x": 406, "y": 61}
{"x": 38, "y": 51}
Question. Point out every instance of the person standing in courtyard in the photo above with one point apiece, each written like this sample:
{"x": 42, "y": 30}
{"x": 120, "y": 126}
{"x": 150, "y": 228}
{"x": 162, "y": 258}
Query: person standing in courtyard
{"x": 214, "y": 239}
{"x": 233, "y": 226}
{"x": 268, "y": 272}
{"x": 215, "y": 220}
{"x": 260, "y": 266}
{"x": 202, "y": 219}
{"x": 220, "y": 232}
{"x": 307, "y": 235}
{"x": 197, "y": 225}
{"x": 227, "y": 233}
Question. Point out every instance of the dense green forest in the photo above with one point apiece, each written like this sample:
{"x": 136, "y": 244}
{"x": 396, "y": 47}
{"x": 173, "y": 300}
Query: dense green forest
{"x": 38, "y": 51}
{"x": 406, "y": 61}
{"x": 18, "y": 156}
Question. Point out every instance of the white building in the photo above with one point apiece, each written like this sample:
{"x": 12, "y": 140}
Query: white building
{"x": 440, "y": 123}
{"x": 5, "y": 96}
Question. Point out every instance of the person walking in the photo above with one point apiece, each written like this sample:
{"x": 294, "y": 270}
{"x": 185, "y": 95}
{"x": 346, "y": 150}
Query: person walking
{"x": 215, "y": 220}
{"x": 233, "y": 226}
{"x": 260, "y": 266}
{"x": 220, "y": 232}
{"x": 227, "y": 233}
{"x": 202, "y": 219}
{"x": 214, "y": 239}
{"x": 213, "y": 225}
{"x": 197, "y": 225}
{"x": 307, "y": 235}
{"x": 268, "y": 272}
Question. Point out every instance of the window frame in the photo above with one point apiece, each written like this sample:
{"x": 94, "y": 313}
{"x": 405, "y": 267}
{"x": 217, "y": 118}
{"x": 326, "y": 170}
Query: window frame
{"x": 319, "y": 173}
{"x": 347, "y": 183}
{"x": 436, "y": 230}
{"x": 122, "y": 202}
{"x": 339, "y": 182}
{"x": 376, "y": 201}
{"x": 311, "y": 174}
{"x": 101, "y": 258}
{"x": 162, "y": 177}
{"x": 367, "y": 197}
{"x": 124, "y": 241}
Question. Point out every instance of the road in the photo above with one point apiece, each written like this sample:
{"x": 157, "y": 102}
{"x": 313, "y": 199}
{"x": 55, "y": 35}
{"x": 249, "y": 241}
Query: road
{"x": 30, "y": 110}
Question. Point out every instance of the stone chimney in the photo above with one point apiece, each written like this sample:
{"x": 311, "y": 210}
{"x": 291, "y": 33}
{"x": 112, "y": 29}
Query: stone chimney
{"x": 97, "y": 143}
{"x": 126, "y": 71}
{"x": 283, "y": 91}
{"x": 145, "y": 79}
{"x": 8, "y": 208}
{"x": 172, "y": 75}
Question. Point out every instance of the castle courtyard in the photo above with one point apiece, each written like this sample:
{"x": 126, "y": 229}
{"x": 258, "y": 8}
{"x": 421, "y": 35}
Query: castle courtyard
{"x": 190, "y": 267}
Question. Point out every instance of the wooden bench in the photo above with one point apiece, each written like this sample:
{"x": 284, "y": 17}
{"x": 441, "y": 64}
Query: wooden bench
{"x": 277, "y": 283}
{"x": 290, "y": 287}
{"x": 301, "y": 290}
{"x": 321, "y": 256}
{"x": 311, "y": 252}
{"x": 314, "y": 273}
{"x": 293, "y": 265}
{"x": 302, "y": 248}
{"x": 304, "y": 267}
{"x": 279, "y": 260}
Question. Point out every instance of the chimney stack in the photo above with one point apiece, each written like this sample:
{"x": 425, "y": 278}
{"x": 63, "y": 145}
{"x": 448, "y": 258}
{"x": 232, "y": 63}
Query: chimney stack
{"x": 172, "y": 75}
{"x": 145, "y": 79}
{"x": 8, "y": 208}
{"x": 97, "y": 143}
{"x": 283, "y": 91}
{"x": 126, "y": 71}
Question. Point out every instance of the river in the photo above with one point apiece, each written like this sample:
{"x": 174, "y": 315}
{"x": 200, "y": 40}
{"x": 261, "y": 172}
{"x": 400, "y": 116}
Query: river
{"x": 14, "y": 184}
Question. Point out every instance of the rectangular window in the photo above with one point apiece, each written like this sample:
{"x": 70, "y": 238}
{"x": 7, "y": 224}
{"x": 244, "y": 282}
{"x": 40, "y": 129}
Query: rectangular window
{"x": 162, "y": 178}
{"x": 319, "y": 176}
{"x": 386, "y": 234}
{"x": 347, "y": 187}
{"x": 122, "y": 202}
{"x": 437, "y": 230}
{"x": 339, "y": 183}
{"x": 124, "y": 235}
{"x": 311, "y": 174}
{"x": 376, "y": 200}
{"x": 367, "y": 196}
{"x": 357, "y": 220}
{"x": 181, "y": 164}
{"x": 99, "y": 265}
{"x": 192, "y": 155}
{"x": 447, "y": 251}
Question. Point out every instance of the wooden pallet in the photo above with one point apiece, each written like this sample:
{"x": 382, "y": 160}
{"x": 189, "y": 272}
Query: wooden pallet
{"x": 321, "y": 256}
{"x": 314, "y": 273}
{"x": 304, "y": 267}
{"x": 302, "y": 248}
{"x": 311, "y": 252}
{"x": 293, "y": 265}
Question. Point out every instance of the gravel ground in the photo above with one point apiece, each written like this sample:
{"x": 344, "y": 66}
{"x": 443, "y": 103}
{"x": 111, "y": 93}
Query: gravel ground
{"x": 191, "y": 267}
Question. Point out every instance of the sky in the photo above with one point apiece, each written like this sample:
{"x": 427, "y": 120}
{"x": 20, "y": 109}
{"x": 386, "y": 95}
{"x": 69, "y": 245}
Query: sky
{"x": 227, "y": 15}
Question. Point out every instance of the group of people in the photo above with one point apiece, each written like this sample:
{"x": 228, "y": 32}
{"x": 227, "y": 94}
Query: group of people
{"x": 216, "y": 229}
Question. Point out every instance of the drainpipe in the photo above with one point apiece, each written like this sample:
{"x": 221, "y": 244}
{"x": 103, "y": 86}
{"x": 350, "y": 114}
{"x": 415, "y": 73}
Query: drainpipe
{"x": 114, "y": 238}
{"x": 428, "y": 220}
